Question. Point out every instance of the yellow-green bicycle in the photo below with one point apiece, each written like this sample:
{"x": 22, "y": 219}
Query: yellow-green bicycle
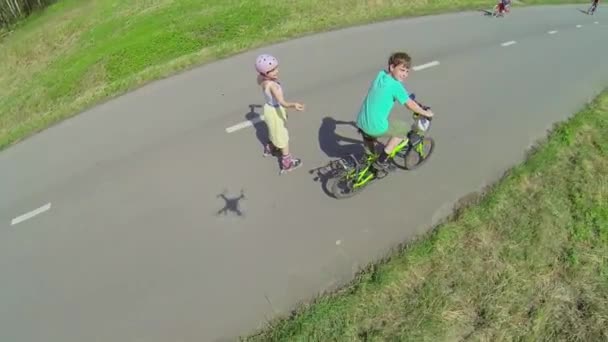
{"x": 353, "y": 174}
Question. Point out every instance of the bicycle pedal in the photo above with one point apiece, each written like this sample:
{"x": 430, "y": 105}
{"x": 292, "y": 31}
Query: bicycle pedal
{"x": 381, "y": 174}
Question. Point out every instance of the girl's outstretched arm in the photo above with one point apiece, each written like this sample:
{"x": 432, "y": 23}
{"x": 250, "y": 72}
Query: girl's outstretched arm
{"x": 278, "y": 94}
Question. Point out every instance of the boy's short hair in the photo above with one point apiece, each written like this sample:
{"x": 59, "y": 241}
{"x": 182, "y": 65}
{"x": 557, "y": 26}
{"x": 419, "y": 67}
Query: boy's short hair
{"x": 399, "y": 58}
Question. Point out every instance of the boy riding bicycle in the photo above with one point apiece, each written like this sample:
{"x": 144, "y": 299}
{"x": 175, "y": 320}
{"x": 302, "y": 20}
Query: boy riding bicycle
{"x": 373, "y": 118}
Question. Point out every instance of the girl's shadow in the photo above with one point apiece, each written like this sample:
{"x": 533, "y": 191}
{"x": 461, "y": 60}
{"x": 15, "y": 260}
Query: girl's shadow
{"x": 261, "y": 131}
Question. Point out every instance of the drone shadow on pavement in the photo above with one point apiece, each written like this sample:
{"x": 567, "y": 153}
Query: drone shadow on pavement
{"x": 231, "y": 204}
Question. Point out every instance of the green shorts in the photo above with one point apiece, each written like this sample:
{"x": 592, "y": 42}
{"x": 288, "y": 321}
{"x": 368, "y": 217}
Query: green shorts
{"x": 396, "y": 128}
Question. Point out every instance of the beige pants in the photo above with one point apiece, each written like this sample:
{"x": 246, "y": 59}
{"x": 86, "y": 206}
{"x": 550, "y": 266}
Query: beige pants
{"x": 276, "y": 121}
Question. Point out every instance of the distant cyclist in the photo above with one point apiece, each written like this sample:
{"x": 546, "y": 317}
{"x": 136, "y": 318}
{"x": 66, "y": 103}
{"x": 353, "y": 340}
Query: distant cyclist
{"x": 502, "y": 7}
{"x": 593, "y": 7}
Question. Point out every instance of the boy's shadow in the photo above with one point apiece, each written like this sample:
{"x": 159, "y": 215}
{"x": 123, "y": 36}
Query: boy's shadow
{"x": 332, "y": 144}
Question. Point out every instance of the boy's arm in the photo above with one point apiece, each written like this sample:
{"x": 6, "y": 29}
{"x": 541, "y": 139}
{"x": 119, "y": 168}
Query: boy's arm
{"x": 403, "y": 97}
{"x": 414, "y": 107}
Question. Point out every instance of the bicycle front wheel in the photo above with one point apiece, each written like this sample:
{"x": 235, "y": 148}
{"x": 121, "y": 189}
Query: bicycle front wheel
{"x": 418, "y": 154}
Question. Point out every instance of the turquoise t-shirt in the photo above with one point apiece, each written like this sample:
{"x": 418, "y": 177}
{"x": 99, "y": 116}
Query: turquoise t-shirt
{"x": 380, "y": 99}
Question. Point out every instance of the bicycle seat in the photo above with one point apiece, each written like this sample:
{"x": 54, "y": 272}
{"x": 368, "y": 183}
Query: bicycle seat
{"x": 365, "y": 135}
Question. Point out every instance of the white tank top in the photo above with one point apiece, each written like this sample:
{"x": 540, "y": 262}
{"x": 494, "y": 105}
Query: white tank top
{"x": 271, "y": 100}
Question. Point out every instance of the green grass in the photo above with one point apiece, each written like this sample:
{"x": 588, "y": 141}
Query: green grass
{"x": 527, "y": 262}
{"x": 76, "y": 53}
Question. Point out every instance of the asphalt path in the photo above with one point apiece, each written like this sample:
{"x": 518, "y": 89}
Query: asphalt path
{"x": 112, "y": 223}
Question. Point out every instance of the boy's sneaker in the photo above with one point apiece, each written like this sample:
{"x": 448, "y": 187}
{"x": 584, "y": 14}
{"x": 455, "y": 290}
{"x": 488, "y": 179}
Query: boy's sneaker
{"x": 289, "y": 163}
{"x": 382, "y": 162}
{"x": 381, "y": 165}
{"x": 382, "y": 168}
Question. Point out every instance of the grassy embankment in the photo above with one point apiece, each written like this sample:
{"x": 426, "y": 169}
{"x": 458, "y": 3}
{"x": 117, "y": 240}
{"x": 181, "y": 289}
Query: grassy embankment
{"x": 527, "y": 262}
{"x": 76, "y": 53}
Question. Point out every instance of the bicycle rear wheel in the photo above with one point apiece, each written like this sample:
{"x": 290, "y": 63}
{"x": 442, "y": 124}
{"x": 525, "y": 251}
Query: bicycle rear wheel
{"x": 343, "y": 182}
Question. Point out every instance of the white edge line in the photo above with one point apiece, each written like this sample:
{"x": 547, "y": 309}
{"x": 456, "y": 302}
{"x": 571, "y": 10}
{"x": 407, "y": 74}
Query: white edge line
{"x": 252, "y": 122}
{"x": 425, "y": 66}
{"x": 244, "y": 124}
{"x": 31, "y": 214}
{"x": 508, "y": 43}
{"x": 552, "y": 32}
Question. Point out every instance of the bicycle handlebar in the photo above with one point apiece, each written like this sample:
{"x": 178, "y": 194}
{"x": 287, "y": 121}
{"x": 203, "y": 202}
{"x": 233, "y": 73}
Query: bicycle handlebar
{"x": 413, "y": 98}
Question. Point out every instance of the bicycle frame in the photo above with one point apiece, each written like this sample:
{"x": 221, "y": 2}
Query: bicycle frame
{"x": 357, "y": 171}
{"x": 364, "y": 175}
{"x": 361, "y": 174}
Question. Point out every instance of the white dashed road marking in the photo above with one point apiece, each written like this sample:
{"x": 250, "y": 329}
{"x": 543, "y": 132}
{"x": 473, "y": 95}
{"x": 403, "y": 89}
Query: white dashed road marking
{"x": 31, "y": 214}
{"x": 425, "y": 66}
{"x": 552, "y": 32}
{"x": 579, "y": 26}
{"x": 596, "y": 22}
{"x": 260, "y": 118}
{"x": 508, "y": 43}
{"x": 244, "y": 124}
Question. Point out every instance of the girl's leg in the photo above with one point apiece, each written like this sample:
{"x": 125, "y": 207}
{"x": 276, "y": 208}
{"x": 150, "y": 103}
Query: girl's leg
{"x": 272, "y": 122}
{"x": 275, "y": 119}
{"x": 270, "y": 149}
{"x": 288, "y": 162}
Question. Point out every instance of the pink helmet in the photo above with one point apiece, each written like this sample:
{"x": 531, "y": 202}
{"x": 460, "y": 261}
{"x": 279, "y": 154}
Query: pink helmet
{"x": 264, "y": 63}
